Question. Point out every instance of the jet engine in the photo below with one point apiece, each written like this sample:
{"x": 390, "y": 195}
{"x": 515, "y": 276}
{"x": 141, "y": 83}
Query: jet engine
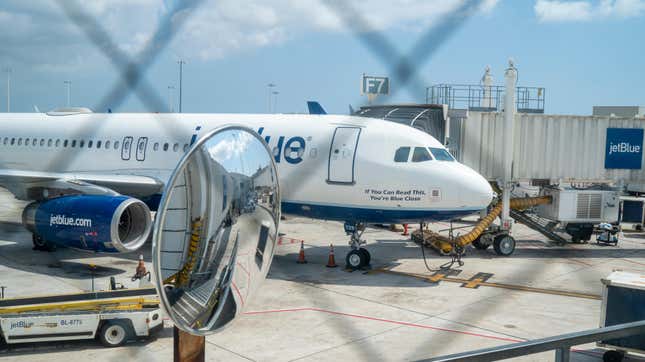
{"x": 109, "y": 224}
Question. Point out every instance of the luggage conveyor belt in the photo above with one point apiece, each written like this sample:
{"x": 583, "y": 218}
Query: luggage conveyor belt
{"x": 126, "y": 299}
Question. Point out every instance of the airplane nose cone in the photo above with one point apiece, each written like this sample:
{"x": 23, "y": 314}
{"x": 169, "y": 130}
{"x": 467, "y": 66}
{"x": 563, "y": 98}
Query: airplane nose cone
{"x": 476, "y": 191}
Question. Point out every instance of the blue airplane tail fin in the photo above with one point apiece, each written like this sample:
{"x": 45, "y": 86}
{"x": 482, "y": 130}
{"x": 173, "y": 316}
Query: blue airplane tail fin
{"x": 315, "y": 108}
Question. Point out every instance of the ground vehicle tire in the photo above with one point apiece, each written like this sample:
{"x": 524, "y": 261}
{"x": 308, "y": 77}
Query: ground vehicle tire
{"x": 356, "y": 259}
{"x": 479, "y": 245}
{"x": 114, "y": 333}
{"x": 504, "y": 245}
{"x": 613, "y": 356}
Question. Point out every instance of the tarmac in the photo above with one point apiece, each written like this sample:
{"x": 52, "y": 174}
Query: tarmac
{"x": 400, "y": 309}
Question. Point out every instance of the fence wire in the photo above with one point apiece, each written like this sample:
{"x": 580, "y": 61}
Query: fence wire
{"x": 403, "y": 67}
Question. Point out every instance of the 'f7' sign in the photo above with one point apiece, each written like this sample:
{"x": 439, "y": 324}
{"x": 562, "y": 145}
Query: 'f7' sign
{"x": 375, "y": 85}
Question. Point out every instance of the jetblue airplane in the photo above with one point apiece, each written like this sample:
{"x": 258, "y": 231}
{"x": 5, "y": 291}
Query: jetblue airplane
{"x": 94, "y": 178}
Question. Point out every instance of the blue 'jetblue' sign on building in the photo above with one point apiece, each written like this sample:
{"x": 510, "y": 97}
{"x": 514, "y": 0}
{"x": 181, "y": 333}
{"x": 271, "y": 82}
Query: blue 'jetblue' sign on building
{"x": 624, "y": 148}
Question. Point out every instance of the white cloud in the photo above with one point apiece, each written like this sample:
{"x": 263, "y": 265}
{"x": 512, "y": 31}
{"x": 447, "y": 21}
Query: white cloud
{"x": 38, "y": 33}
{"x": 562, "y": 11}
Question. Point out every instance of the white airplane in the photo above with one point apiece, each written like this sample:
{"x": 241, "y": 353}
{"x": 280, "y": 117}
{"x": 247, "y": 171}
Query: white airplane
{"x": 93, "y": 178}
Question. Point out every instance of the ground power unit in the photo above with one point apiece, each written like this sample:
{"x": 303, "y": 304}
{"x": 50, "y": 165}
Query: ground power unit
{"x": 578, "y": 210}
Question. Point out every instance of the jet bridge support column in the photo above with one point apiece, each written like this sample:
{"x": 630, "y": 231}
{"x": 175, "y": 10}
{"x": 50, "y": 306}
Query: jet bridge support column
{"x": 509, "y": 127}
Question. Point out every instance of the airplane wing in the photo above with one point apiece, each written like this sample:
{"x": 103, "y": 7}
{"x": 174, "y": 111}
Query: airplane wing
{"x": 36, "y": 185}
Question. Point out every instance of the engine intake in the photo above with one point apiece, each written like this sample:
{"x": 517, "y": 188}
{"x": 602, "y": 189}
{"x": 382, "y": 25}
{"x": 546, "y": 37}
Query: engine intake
{"x": 117, "y": 224}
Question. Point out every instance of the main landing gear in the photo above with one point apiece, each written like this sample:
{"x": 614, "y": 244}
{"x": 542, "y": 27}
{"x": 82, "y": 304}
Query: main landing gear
{"x": 358, "y": 257}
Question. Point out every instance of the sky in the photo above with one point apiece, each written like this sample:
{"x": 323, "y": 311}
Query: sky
{"x": 584, "y": 52}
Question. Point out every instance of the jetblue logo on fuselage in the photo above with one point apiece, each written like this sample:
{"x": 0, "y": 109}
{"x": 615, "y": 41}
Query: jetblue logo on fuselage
{"x": 291, "y": 149}
{"x": 624, "y": 148}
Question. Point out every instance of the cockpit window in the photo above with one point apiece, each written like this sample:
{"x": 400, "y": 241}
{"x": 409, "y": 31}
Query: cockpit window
{"x": 441, "y": 155}
{"x": 402, "y": 154}
{"x": 421, "y": 154}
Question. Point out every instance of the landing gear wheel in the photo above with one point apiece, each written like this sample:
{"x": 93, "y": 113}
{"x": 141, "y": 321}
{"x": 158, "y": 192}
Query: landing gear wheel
{"x": 504, "y": 245}
{"x": 366, "y": 255}
{"x": 479, "y": 245}
{"x": 113, "y": 334}
{"x": 356, "y": 259}
{"x": 41, "y": 244}
{"x": 613, "y": 356}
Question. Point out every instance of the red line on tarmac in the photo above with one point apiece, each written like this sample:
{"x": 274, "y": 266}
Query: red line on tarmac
{"x": 409, "y": 324}
{"x": 631, "y": 261}
{"x": 238, "y": 293}
{"x": 243, "y": 268}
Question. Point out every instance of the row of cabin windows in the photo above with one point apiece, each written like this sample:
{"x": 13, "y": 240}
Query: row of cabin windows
{"x": 421, "y": 154}
{"x": 11, "y": 141}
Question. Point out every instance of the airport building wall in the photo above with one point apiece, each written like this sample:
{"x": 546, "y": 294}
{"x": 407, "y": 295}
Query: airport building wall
{"x": 556, "y": 147}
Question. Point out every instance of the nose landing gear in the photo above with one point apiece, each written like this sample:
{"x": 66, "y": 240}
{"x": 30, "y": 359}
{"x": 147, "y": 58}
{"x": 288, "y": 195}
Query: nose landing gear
{"x": 358, "y": 257}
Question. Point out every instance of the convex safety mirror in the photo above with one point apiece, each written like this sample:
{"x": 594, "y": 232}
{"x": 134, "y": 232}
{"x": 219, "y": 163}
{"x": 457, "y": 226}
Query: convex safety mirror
{"x": 216, "y": 229}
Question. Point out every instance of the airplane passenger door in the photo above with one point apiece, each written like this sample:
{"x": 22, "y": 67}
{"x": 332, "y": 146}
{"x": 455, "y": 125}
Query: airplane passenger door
{"x": 141, "y": 148}
{"x": 342, "y": 155}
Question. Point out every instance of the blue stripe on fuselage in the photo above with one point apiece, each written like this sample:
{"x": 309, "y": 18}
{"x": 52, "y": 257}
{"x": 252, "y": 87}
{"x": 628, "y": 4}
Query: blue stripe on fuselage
{"x": 367, "y": 215}
{"x": 355, "y": 213}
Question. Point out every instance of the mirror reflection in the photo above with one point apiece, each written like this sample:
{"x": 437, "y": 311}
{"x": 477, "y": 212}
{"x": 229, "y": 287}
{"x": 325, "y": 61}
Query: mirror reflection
{"x": 216, "y": 229}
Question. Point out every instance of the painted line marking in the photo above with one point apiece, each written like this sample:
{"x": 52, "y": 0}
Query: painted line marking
{"x": 476, "y": 280}
{"x": 485, "y": 283}
{"x": 401, "y": 323}
{"x": 391, "y": 321}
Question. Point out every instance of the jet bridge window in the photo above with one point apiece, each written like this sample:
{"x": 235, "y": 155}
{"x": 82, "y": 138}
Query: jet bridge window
{"x": 402, "y": 154}
{"x": 441, "y": 155}
{"x": 421, "y": 154}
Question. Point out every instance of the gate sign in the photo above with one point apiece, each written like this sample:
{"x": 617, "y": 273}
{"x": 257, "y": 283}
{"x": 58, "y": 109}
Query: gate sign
{"x": 624, "y": 148}
{"x": 375, "y": 85}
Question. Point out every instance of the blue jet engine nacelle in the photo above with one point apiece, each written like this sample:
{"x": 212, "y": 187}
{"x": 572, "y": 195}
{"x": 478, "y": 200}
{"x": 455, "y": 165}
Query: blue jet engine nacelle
{"x": 108, "y": 224}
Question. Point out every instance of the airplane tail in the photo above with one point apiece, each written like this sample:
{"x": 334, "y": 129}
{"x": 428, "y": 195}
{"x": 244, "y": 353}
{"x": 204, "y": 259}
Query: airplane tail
{"x": 315, "y": 108}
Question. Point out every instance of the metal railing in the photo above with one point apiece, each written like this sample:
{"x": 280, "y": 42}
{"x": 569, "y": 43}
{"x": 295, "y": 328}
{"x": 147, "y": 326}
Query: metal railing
{"x": 478, "y": 97}
{"x": 561, "y": 344}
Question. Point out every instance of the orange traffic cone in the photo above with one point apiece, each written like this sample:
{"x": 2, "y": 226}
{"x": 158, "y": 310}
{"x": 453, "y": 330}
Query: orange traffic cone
{"x": 301, "y": 256}
{"x": 331, "y": 263}
{"x": 405, "y": 230}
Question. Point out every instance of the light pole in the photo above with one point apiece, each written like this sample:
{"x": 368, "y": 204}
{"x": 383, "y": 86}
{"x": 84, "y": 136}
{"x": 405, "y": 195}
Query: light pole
{"x": 270, "y": 86}
{"x": 171, "y": 88}
{"x": 181, "y": 68}
{"x": 68, "y": 83}
{"x": 8, "y": 71}
{"x": 275, "y": 101}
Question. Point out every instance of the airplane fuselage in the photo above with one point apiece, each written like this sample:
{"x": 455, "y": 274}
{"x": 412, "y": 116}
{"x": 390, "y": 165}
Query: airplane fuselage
{"x": 329, "y": 167}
